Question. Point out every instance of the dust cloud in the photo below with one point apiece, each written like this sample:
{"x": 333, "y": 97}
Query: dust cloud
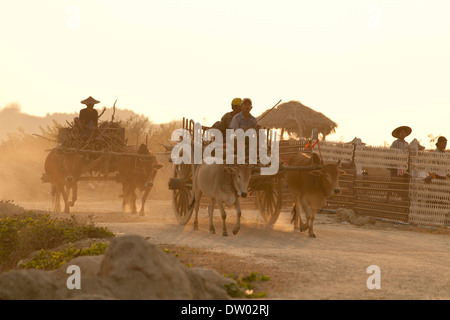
{"x": 22, "y": 156}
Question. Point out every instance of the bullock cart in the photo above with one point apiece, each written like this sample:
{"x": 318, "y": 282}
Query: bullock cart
{"x": 99, "y": 155}
{"x": 93, "y": 153}
{"x": 266, "y": 191}
{"x": 99, "y": 150}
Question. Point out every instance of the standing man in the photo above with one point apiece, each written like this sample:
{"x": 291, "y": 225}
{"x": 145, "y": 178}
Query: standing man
{"x": 88, "y": 118}
{"x": 441, "y": 144}
{"x": 244, "y": 119}
{"x": 400, "y": 133}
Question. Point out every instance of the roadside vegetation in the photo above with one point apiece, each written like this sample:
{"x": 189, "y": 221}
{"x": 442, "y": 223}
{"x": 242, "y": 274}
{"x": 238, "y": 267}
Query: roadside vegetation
{"x": 246, "y": 285}
{"x": 49, "y": 259}
{"x": 25, "y": 232}
{"x": 35, "y": 240}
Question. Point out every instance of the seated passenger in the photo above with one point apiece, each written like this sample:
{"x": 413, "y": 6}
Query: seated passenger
{"x": 225, "y": 122}
{"x": 244, "y": 120}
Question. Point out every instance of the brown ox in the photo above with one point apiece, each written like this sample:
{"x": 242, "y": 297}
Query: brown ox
{"x": 310, "y": 189}
{"x": 137, "y": 173}
{"x": 63, "y": 169}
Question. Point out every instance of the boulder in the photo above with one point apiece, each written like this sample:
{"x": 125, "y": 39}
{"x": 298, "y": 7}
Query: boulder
{"x": 131, "y": 268}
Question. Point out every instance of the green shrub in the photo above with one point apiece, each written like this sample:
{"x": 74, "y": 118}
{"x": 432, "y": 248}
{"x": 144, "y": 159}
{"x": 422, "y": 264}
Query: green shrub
{"x": 23, "y": 234}
{"x": 49, "y": 260}
{"x": 244, "y": 286}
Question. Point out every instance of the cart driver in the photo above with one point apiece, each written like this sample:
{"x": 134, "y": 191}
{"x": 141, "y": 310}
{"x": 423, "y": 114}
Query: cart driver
{"x": 244, "y": 120}
{"x": 88, "y": 117}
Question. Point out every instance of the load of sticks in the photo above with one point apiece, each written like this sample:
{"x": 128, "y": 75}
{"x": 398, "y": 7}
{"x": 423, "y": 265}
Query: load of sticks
{"x": 108, "y": 136}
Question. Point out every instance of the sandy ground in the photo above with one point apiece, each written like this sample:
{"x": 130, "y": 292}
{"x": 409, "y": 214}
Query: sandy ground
{"x": 414, "y": 262}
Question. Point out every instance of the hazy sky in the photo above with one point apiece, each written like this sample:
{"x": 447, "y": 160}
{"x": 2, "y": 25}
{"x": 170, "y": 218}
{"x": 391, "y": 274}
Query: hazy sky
{"x": 368, "y": 65}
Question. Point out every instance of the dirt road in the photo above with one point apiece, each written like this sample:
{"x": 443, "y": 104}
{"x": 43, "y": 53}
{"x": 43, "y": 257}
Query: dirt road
{"x": 414, "y": 263}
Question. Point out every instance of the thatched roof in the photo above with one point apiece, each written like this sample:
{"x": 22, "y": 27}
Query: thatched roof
{"x": 297, "y": 119}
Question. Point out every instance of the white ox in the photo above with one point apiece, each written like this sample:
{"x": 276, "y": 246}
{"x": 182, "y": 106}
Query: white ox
{"x": 223, "y": 184}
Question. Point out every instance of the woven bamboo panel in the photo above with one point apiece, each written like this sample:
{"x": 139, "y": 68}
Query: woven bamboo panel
{"x": 287, "y": 148}
{"x": 330, "y": 151}
{"x": 430, "y": 202}
{"x": 382, "y": 197}
{"x": 426, "y": 214}
{"x": 378, "y": 157}
{"x": 346, "y": 198}
{"x": 334, "y": 151}
{"x": 435, "y": 162}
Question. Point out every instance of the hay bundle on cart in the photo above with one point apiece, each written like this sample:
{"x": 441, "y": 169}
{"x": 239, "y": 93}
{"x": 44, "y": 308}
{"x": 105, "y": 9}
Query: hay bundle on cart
{"x": 109, "y": 136}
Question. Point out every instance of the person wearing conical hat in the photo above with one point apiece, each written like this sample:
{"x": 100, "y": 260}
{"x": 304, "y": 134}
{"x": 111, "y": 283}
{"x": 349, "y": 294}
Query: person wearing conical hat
{"x": 88, "y": 117}
{"x": 401, "y": 133}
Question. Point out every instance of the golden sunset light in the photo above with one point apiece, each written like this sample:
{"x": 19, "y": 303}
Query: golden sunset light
{"x": 368, "y": 65}
{"x": 223, "y": 158}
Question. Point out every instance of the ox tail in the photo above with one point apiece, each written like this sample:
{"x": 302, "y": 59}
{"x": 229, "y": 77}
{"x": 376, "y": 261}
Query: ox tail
{"x": 191, "y": 205}
{"x": 293, "y": 213}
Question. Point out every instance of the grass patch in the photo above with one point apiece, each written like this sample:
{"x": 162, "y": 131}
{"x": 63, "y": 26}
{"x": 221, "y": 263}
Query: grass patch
{"x": 49, "y": 260}
{"x": 168, "y": 251}
{"x": 22, "y": 234}
{"x": 244, "y": 287}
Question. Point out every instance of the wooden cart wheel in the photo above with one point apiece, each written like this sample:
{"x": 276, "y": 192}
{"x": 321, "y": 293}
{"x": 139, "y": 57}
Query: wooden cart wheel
{"x": 181, "y": 197}
{"x": 269, "y": 199}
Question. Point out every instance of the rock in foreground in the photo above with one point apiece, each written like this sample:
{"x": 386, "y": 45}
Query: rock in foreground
{"x": 131, "y": 268}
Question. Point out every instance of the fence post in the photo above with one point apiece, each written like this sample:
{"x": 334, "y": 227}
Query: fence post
{"x": 413, "y": 151}
{"x": 413, "y": 173}
{"x": 358, "y": 168}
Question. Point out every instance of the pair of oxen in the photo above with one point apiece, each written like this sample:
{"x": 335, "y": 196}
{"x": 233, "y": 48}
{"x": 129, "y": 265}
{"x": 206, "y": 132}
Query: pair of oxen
{"x": 226, "y": 184}
{"x": 223, "y": 184}
{"x": 64, "y": 168}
